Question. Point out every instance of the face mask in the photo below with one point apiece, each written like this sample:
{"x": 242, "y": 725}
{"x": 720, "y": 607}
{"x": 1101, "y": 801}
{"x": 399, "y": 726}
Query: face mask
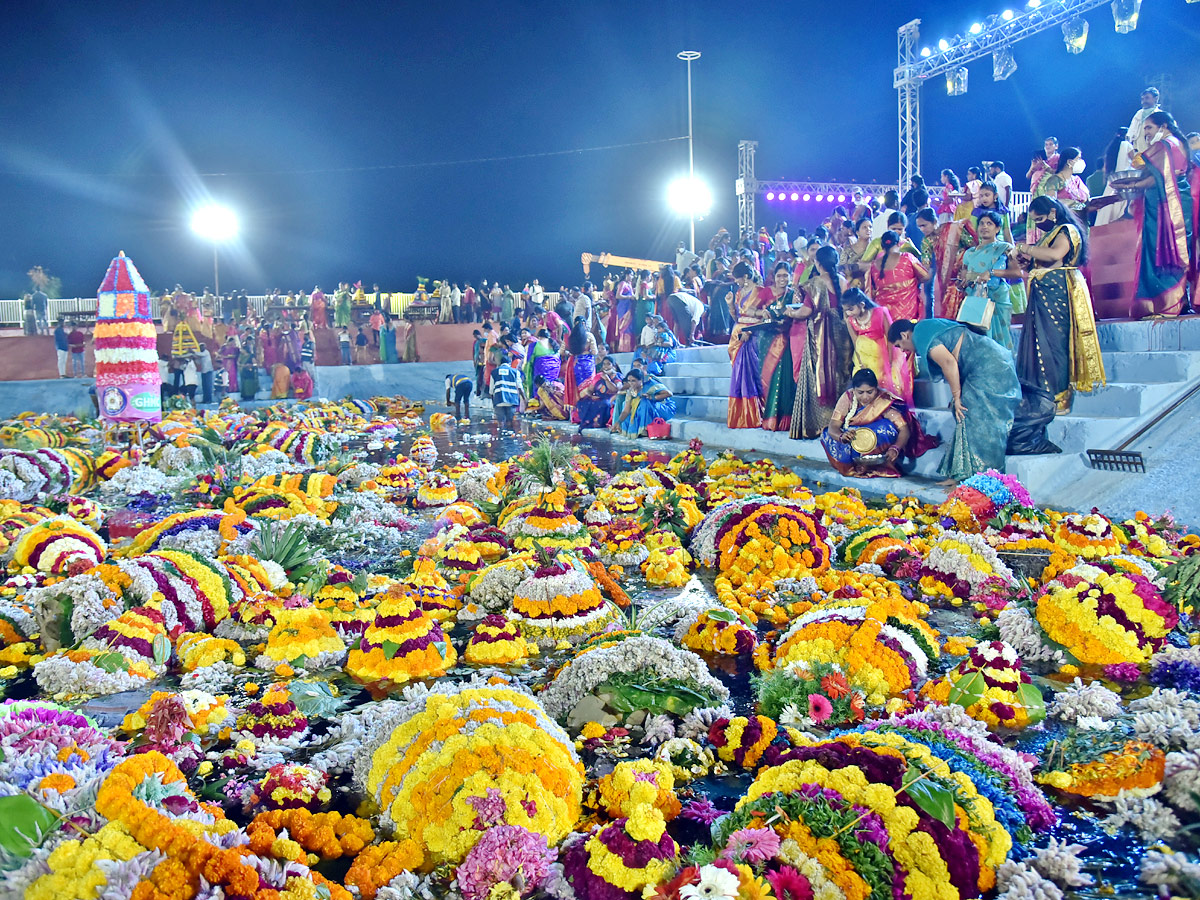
{"x": 1078, "y": 166}
{"x": 1157, "y": 137}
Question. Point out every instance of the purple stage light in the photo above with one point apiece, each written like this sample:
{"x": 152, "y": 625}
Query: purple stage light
{"x": 841, "y": 198}
{"x": 770, "y": 195}
{"x": 794, "y": 197}
{"x": 820, "y": 197}
{"x": 807, "y": 197}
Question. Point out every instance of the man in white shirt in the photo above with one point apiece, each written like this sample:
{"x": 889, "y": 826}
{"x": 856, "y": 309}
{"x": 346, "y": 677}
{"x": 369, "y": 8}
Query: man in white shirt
{"x": 649, "y": 332}
{"x": 1002, "y": 180}
{"x": 891, "y": 204}
{"x": 1135, "y": 135}
{"x": 537, "y": 294}
{"x": 456, "y": 302}
{"x": 781, "y": 240}
{"x": 683, "y": 257}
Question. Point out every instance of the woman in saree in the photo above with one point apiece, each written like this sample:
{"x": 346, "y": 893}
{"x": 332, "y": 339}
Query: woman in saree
{"x": 983, "y": 387}
{"x": 951, "y": 196}
{"x": 247, "y": 373}
{"x": 643, "y": 303}
{"x": 341, "y": 306}
{"x": 316, "y": 307}
{"x": 1059, "y": 349}
{"x": 821, "y": 348}
{"x": 984, "y": 270}
{"x": 895, "y": 281}
{"x": 989, "y": 199}
{"x": 621, "y": 336}
{"x": 387, "y": 340}
{"x": 551, "y": 398}
{"x": 541, "y": 360}
{"x": 867, "y": 408}
{"x": 746, "y": 393}
{"x": 581, "y": 364}
{"x": 281, "y": 381}
{"x": 646, "y": 400}
{"x": 302, "y": 385}
{"x": 853, "y": 253}
{"x": 777, "y": 373}
{"x": 941, "y": 253}
{"x": 868, "y": 326}
{"x": 1163, "y": 213}
{"x": 596, "y": 396}
{"x": 1063, "y": 184}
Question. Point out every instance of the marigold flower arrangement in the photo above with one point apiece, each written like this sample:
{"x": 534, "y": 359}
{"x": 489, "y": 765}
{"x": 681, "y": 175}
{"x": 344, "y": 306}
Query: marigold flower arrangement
{"x": 497, "y": 642}
{"x": 423, "y": 451}
{"x": 273, "y": 717}
{"x": 451, "y": 763}
{"x": 429, "y": 590}
{"x": 615, "y": 790}
{"x": 226, "y": 524}
{"x": 74, "y": 864}
{"x": 741, "y": 740}
{"x": 560, "y": 601}
{"x": 621, "y": 542}
{"x": 549, "y": 523}
{"x": 291, "y": 786}
{"x": 1102, "y": 615}
{"x": 208, "y": 714}
{"x": 494, "y": 587}
{"x": 57, "y": 545}
{"x": 986, "y": 495}
{"x": 622, "y": 858}
{"x": 437, "y": 490}
{"x": 687, "y": 758}
{"x": 666, "y": 567}
{"x": 1097, "y": 765}
{"x": 881, "y": 658}
{"x": 1089, "y": 536}
{"x": 404, "y": 642}
{"x": 960, "y": 563}
{"x": 302, "y": 637}
{"x": 717, "y": 631}
{"x": 992, "y": 687}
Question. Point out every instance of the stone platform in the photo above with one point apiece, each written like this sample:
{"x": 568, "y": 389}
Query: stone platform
{"x": 1149, "y": 366}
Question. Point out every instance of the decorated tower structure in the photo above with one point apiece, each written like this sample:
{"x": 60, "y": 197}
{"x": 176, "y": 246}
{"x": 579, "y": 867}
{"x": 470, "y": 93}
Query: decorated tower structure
{"x": 128, "y": 386}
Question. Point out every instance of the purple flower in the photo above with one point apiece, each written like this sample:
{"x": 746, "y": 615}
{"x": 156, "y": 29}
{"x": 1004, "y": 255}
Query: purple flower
{"x": 1126, "y": 672}
{"x": 501, "y": 855}
{"x": 1180, "y": 674}
{"x": 702, "y": 811}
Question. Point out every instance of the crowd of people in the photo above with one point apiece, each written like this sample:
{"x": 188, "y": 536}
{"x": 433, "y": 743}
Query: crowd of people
{"x": 826, "y": 331}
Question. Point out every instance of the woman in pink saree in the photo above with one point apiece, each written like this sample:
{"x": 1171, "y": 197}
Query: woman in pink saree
{"x": 895, "y": 281}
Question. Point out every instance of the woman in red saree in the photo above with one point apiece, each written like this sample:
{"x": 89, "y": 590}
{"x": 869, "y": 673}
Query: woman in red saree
{"x": 941, "y": 253}
{"x": 895, "y": 281}
{"x": 868, "y": 326}
{"x": 821, "y": 348}
{"x": 1163, "y": 211}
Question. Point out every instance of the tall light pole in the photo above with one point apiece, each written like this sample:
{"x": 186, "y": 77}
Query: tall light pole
{"x": 217, "y": 224}
{"x": 687, "y": 56}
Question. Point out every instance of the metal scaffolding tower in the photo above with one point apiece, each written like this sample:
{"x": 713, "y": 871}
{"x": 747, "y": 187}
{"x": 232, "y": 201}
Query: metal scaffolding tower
{"x": 914, "y": 66}
{"x": 746, "y": 186}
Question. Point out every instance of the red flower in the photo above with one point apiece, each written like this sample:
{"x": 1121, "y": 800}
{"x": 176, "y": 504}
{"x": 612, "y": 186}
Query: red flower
{"x": 835, "y": 685}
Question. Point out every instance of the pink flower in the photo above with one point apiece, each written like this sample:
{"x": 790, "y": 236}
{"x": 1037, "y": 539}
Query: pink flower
{"x": 751, "y": 845}
{"x": 819, "y": 708}
{"x": 503, "y": 853}
{"x": 702, "y": 811}
{"x": 789, "y": 884}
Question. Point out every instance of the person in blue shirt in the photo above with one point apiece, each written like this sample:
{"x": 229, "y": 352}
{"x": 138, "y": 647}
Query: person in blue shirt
{"x": 62, "y": 347}
{"x": 508, "y": 391}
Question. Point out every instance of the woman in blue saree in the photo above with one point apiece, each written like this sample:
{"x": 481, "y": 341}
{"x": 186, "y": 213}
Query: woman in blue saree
{"x": 663, "y": 350}
{"x": 542, "y": 359}
{"x": 984, "y": 270}
{"x": 646, "y": 400}
{"x": 983, "y": 385}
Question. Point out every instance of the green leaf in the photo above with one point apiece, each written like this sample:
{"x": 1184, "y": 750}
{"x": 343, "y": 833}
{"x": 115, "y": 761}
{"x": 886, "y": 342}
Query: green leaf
{"x": 110, "y": 662}
{"x": 66, "y": 636}
{"x": 1035, "y": 705}
{"x": 23, "y": 821}
{"x": 162, "y": 649}
{"x": 390, "y": 648}
{"x": 721, "y": 614}
{"x": 968, "y": 690}
{"x": 935, "y": 799}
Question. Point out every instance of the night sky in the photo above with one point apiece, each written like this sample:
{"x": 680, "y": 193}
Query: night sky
{"x": 116, "y": 113}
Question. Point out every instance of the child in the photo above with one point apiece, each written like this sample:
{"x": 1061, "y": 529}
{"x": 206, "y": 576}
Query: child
{"x": 344, "y": 344}
{"x": 360, "y": 347}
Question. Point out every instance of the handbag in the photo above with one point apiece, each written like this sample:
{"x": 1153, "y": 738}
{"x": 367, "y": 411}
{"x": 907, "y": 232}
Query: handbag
{"x": 659, "y": 429}
{"x": 977, "y": 310}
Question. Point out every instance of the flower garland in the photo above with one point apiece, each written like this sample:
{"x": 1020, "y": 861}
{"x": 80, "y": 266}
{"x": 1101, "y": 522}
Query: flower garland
{"x": 497, "y": 642}
{"x": 56, "y": 545}
{"x": 992, "y": 687}
{"x": 615, "y": 790}
{"x": 560, "y": 601}
{"x": 404, "y": 642}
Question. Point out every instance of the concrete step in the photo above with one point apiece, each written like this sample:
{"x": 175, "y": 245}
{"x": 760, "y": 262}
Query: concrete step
{"x": 1162, "y": 334}
{"x": 1151, "y": 367}
{"x": 696, "y": 385}
{"x": 699, "y": 370}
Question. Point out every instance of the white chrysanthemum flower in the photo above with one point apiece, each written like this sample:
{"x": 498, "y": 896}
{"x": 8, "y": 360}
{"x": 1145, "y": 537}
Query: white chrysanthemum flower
{"x": 1060, "y": 863}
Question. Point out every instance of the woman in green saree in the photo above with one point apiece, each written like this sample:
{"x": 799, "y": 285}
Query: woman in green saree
{"x": 983, "y": 385}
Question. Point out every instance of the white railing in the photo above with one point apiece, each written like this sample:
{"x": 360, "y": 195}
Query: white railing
{"x": 12, "y": 312}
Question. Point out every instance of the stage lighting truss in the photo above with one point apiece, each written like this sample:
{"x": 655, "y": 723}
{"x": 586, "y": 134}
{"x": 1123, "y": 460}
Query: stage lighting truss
{"x": 1003, "y": 63}
{"x": 1075, "y": 34}
{"x": 1004, "y": 29}
{"x": 1125, "y": 15}
{"x": 824, "y": 192}
{"x": 956, "y": 81}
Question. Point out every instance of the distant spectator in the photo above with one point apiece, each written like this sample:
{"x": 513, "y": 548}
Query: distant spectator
{"x": 76, "y": 341}
{"x": 360, "y": 346}
{"x": 477, "y": 348}
{"x": 460, "y": 387}
{"x": 62, "y": 347}
{"x": 41, "y": 311}
{"x": 191, "y": 379}
{"x": 204, "y": 363}
{"x": 344, "y": 345}
{"x": 308, "y": 355}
